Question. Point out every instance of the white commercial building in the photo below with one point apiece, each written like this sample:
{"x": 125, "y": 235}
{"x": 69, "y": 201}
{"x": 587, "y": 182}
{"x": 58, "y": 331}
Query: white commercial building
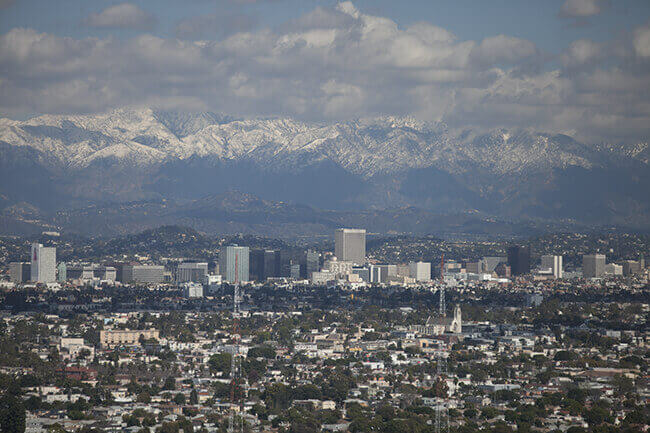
{"x": 613, "y": 269}
{"x": 421, "y": 271}
{"x": 143, "y": 274}
{"x": 554, "y": 263}
{"x": 350, "y": 245}
{"x": 194, "y": 272}
{"x": 338, "y": 267}
{"x": 43, "y": 269}
{"x": 192, "y": 290}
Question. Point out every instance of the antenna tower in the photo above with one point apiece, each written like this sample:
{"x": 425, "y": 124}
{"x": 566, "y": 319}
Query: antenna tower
{"x": 442, "y": 308}
{"x": 442, "y": 411}
{"x": 236, "y": 424}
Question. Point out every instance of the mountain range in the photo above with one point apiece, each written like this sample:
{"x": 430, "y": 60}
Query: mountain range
{"x": 54, "y": 167}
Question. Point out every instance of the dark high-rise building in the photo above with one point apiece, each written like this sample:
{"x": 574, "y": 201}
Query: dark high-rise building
{"x": 519, "y": 260}
{"x": 310, "y": 263}
{"x": 265, "y": 264}
{"x": 20, "y": 272}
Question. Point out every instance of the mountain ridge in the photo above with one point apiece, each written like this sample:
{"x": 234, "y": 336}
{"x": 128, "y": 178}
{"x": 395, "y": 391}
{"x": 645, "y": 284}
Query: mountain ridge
{"x": 143, "y": 154}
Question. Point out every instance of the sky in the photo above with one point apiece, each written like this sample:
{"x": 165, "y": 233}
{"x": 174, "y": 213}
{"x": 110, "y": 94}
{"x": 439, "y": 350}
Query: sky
{"x": 578, "y": 67}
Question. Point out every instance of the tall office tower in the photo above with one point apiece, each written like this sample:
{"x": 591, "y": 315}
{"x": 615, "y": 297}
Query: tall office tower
{"x": 264, "y": 264}
{"x": 519, "y": 260}
{"x": 309, "y": 263}
{"x": 191, "y": 272}
{"x": 593, "y": 265}
{"x": 256, "y": 265}
{"x": 43, "y": 264}
{"x": 229, "y": 257}
{"x": 350, "y": 245}
{"x": 554, "y": 263}
{"x": 20, "y": 272}
{"x": 421, "y": 271}
{"x": 62, "y": 272}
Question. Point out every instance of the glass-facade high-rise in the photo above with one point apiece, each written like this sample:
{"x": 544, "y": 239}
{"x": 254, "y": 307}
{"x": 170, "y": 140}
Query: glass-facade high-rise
{"x": 233, "y": 263}
{"x": 43, "y": 269}
{"x": 519, "y": 260}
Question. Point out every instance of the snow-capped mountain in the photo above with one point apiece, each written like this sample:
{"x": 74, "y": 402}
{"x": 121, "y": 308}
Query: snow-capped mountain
{"x": 364, "y": 147}
{"x": 130, "y": 154}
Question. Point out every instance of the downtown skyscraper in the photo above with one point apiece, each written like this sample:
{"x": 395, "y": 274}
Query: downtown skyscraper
{"x": 233, "y": 263}
{"x": 43, "y": 264}
{"x": 350, "y": 245}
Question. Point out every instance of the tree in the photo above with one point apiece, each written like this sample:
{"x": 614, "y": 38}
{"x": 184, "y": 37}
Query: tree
{"x": 170, "y": 384}
{"x": 179, "y": 398}
{"x": 637, "y": 416}
{"x": 144, "y": 397}
{"x": 623, "y": 385}
{"x": 489, "y": 412}
{"x": 83, "y": 354}
{"x": 564, "y": 355}
{"x": 220, "y": 362}
{"x": 194, "y": 397}
{"x": 12, "y": 414}
{"x": 596, "y": 415}
{"x": 264, "y": 351}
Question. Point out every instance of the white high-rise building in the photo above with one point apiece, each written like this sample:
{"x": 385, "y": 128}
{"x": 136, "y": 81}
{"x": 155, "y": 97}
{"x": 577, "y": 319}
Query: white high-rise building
{"x": 233, "y": 263}
{"x": 421, "y": 271}
{"x": 43, "y": 269}
{"x": 593, "y": 265}
{"x": 350, "y": 245}
{"x": 554, "y": 263}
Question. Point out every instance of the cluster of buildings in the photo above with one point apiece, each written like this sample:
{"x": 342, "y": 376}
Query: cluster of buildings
{"x": 347, "y": 266}
{"x": 386, "y": 364}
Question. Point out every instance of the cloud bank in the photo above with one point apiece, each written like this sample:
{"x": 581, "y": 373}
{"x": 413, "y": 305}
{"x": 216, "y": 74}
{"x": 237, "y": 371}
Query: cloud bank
{"x": 337, "y": 63}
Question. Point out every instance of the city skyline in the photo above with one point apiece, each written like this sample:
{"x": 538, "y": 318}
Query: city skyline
{"x": 322, "y": 216}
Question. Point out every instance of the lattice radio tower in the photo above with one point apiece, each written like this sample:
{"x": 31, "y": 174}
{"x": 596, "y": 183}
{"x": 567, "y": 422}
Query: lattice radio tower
{"x": 236, "y": 424}
{"x": 442, "y": 410}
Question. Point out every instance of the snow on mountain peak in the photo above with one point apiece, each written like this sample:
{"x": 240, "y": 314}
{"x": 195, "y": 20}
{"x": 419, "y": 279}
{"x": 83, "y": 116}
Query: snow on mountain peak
{"x": 366, "y": 147}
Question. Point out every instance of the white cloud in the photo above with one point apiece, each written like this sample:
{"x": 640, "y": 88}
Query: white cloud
{"x": 581, "y": 52}
{"x": 336, "y": 64}
{"x": 123, "y": 15}
{"x": 580, "y": 8}
{"x": 642, "y": 41}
